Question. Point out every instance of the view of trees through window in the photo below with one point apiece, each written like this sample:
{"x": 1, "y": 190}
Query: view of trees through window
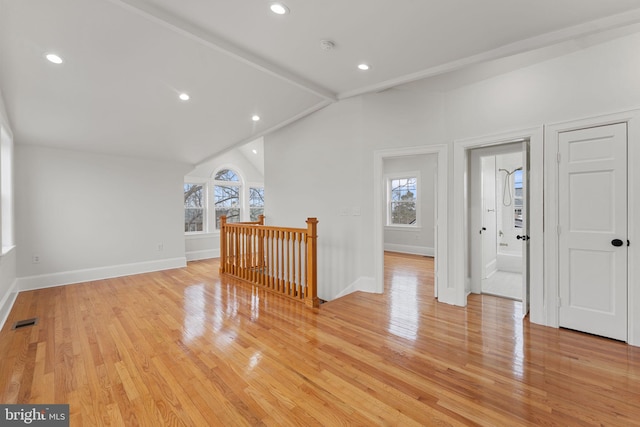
{"x": 227, "y": 196}
{"x": 193, "y": 208}
{"x": 402, "y": 204}
{"x": 224, "y": 194}
{"x": 256, "y": 202}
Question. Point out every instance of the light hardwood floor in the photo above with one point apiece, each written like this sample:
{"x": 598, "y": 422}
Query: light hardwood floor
{"x": 182, "y": 347}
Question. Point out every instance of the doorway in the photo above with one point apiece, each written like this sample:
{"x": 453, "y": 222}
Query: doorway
{"x": 498, "y": 212}
{"x": 437, "y": 180}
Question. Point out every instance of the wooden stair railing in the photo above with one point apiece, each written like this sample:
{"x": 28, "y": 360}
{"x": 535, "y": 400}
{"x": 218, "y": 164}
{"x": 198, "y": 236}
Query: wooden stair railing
{"x": 282, "y": 260}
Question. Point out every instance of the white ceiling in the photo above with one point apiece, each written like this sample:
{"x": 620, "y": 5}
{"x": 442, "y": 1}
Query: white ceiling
{"x": 126, "y": 61}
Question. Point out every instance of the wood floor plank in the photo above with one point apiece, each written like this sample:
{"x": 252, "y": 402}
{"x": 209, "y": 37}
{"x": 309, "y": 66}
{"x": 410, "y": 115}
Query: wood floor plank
{"x": 184, "y": 347}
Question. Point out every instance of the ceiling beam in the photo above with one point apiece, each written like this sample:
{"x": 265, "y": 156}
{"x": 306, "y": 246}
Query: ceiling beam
{"x": 211, "y": 41}
{"x": 628, "y": 20}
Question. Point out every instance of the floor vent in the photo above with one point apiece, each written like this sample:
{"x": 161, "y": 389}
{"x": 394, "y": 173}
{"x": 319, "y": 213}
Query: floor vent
{"x": 24, "y": 323}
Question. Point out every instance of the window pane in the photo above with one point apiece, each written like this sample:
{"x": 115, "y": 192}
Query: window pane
{"x": 193, "y": 208}
{"x": 403, "y": 213}
{"x": 403, "y": 189}
{"x": 256, "y": 203}
{"x": 227, "y": 175}
{"x": 256, "y": 197}
{"x": 227, "y": 202}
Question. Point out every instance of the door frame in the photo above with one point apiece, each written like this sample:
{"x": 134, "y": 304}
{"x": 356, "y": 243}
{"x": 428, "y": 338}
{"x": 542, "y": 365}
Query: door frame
{"x": 460, "y": 223}
{"x": 476, "y": 212}
{"x": 551, "y": 181}
{"x": 440, "y": 250}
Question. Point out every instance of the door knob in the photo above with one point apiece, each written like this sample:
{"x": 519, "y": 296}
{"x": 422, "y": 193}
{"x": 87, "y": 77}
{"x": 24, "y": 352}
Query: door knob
{"x": 525, "y": 237}
{"x": 617, "y": 242}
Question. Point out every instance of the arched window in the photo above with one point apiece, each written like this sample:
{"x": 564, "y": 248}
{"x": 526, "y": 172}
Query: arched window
{"x": 227, "y": 190}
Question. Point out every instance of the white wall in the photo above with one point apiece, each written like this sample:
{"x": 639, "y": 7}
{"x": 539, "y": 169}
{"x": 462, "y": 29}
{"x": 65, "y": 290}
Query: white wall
{"x": 8, "y": 281}
{"x": 418, "y": 240}
{"x": 316, "y": 168}
{"x": 207, "y": 245}
{"x": 89, "y": 216}
{"x": 325, "y": 161}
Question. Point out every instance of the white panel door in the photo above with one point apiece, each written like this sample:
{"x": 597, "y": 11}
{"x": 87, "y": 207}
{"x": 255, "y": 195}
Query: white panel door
{"x": 593, "y": 230}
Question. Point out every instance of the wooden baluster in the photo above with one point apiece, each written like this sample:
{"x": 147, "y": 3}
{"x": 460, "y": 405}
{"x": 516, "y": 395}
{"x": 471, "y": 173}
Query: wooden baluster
{"x": 287, "y": 283}
{"x": 236, "y": 251}
{"x": 311, "y": 292}
{"x": 299, "y": 265}
{"x": 272, "y": 260}
{"x": 223, "y": 245}
{"x": 281, "y": 284}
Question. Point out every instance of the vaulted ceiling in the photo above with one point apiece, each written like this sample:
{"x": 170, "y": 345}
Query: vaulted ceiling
{"x": 125, "y": 62}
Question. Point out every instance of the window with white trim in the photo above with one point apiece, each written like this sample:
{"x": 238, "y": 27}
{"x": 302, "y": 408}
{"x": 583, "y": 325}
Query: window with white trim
{"x": 402, "y": 200}
{"x": 227, "y": 190}
{"x": 195, "y": 207}
{"x": 517, "y": 199}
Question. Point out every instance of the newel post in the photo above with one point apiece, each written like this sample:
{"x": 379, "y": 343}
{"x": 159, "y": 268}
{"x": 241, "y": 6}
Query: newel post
{"x": 261, "y": 219}
{"x": 223, "y": 243}
{"x": 311, "y": 293}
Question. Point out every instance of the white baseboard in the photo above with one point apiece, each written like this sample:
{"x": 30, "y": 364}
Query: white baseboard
{"x": 409, "y": 249}
{"x": 6, "y": 304}
{"x": 78, "y": 276}
{"x": 363, "y": 284}
{"x": 203, "y": 254}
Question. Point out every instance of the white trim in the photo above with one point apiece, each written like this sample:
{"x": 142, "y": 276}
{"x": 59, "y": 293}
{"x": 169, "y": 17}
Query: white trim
{"x": 203, "y": 254}
{"x": 202, "y": 235}
{"x": 410, "y": 249}
{"x": 536, "y": 198}
{"x": 362, "y": 284}
{"x": 552, "y": 131}
{"x": 79, "y": 276}
{"x": 441, "y": 244}
{"x": 6, "y": 304}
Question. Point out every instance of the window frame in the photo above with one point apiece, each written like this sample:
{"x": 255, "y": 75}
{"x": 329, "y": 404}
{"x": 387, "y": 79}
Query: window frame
{"x": 205, "y": 205}
{"x": 389, "y": 178}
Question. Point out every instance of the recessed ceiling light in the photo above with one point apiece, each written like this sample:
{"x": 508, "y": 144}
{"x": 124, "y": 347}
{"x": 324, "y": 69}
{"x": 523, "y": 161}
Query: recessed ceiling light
{"x": 279, "y": 8}
{"x": 254, "y": 151}
{"x": 364, "y": 67}
{"x": 52, "y": 57}
{"x": 255, "y": 118}
{"x": 184, "y": 96}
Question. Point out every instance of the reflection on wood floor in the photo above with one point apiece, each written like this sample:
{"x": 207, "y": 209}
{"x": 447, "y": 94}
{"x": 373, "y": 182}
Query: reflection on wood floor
{"x": 182, "y": 347}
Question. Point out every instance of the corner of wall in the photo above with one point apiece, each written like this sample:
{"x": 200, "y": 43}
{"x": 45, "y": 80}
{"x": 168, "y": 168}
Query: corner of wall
{"x": 7, "y": 301}
{"x": 363, "y": 284}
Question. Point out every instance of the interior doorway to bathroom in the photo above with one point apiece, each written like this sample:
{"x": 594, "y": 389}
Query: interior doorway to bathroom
{"x": 499, "y": 220}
